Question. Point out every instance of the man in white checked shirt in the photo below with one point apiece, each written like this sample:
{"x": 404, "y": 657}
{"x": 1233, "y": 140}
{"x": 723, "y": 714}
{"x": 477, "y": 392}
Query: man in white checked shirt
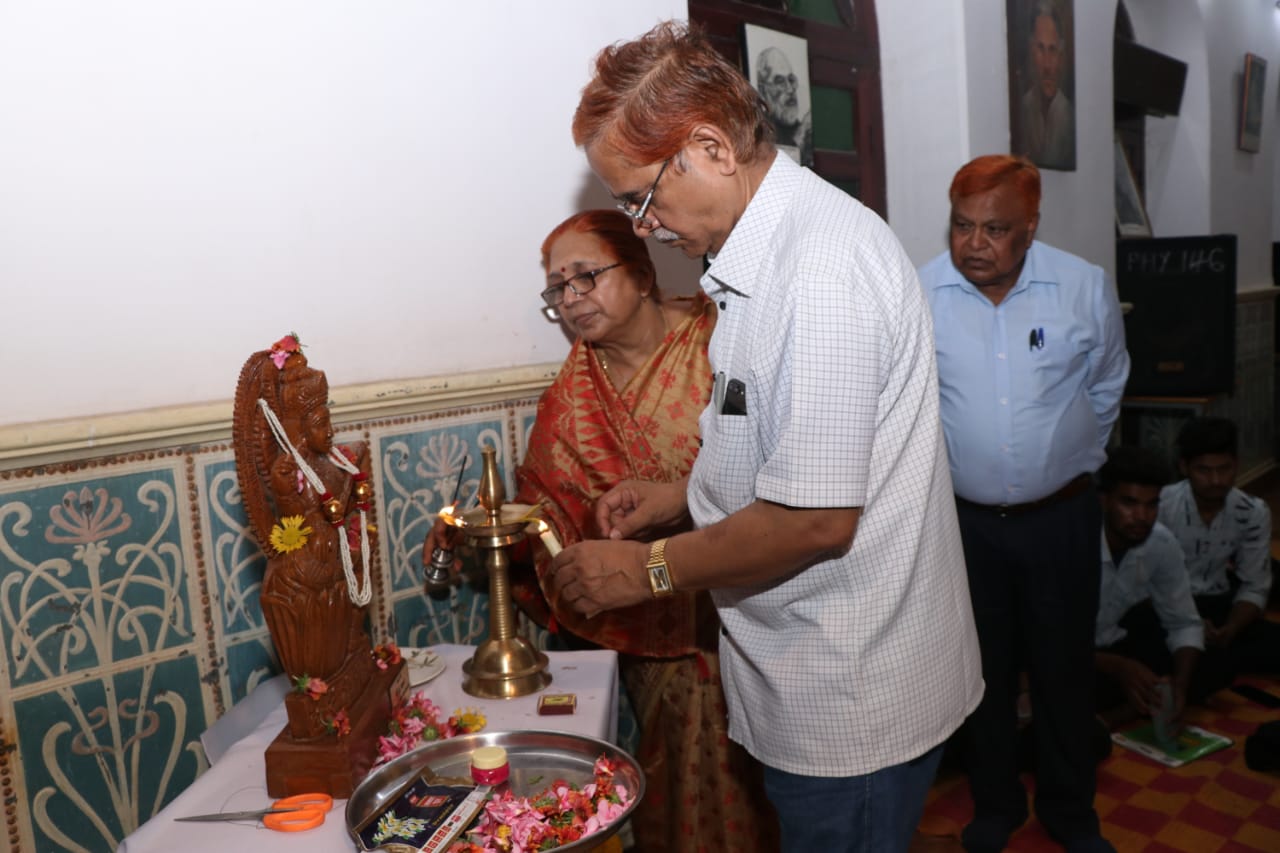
{"x": 825, "y": 525}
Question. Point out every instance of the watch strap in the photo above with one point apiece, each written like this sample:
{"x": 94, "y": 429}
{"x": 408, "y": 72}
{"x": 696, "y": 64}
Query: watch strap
{"x": 659, "y": 573}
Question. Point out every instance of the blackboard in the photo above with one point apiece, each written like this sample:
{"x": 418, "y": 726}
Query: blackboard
{"x": 1181, "y": 332}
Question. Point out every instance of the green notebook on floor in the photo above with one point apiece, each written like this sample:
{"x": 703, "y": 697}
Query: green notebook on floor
{"x": 1191, "y": 743}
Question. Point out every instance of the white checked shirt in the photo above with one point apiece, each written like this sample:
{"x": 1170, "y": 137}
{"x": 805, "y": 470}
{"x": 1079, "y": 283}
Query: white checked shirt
{"x": 863, "y": 662}
{"x": 1239, "y": 538}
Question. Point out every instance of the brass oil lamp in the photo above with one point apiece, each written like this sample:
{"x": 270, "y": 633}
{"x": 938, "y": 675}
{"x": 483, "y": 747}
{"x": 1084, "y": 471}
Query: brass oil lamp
{"x": 505, "y": 665}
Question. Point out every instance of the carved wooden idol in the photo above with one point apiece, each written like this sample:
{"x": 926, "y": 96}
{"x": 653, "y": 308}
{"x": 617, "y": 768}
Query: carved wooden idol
{"x": 309, "y": 506}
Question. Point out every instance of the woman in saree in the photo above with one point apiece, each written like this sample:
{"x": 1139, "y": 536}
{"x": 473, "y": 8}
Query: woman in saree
{"x": 625, "y": 405}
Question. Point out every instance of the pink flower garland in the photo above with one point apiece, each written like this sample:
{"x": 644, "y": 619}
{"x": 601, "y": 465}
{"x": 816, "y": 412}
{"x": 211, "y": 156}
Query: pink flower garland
{"x": 559, "y": 815}
{"x": 418, "y": 720}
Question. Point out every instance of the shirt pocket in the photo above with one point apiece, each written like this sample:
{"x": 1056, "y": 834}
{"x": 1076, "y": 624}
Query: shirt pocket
{"x": 1059, "y": 361}
{"x": 731, "y": 457}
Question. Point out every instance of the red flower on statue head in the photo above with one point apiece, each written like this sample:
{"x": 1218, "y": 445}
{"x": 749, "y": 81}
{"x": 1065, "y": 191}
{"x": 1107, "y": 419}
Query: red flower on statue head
{"x": 285, "y": 347}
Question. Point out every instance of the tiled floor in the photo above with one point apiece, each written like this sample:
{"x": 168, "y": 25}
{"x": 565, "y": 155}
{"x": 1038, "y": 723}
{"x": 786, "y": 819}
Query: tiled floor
{"x": 949, "y": 803}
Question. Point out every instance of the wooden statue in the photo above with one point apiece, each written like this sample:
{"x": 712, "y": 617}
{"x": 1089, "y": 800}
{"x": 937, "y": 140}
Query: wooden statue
{"x": 308, "y": 503}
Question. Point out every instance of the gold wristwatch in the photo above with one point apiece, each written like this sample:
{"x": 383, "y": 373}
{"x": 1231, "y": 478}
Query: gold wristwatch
{"x": 659, "y": 574}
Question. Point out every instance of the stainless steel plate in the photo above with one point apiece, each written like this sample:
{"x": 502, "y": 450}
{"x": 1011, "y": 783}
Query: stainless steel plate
{"x": 537, "y": 759}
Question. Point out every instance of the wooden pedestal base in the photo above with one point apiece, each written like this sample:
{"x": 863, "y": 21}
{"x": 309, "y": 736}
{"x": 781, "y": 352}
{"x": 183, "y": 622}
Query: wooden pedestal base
{"x": 333, "y": 765}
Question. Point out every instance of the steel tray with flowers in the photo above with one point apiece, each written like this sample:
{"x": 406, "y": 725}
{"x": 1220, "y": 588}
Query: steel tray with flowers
{"x": 537, "y": 759}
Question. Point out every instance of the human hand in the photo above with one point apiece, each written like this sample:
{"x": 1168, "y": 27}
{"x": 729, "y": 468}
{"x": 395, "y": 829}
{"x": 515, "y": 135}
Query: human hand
{"x": 1142, "y": 686}
{"x": 443, "y": 536}
{"x": 595, "y": 575}
{"x": 635, "y": 507}
{"x": 1215, "y": 636}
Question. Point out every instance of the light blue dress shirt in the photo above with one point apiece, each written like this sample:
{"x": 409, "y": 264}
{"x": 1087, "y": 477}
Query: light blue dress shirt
{"x": 1239, "y": 538}
{"x": 1152, "y": 570}
{"x": 1030, "y": 387}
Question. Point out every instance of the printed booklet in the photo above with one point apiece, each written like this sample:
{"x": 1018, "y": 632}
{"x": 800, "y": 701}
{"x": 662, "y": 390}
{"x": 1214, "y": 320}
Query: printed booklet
{"x": 1191, "y": 743}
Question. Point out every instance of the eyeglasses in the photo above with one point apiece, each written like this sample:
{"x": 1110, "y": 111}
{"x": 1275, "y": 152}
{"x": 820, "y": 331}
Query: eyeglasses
{"x": 581, "y": 284}
{"x": 637, "y": 213}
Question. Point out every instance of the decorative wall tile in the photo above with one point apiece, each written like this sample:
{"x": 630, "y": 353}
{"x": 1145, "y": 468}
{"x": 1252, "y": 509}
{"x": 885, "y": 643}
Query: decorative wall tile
{"x": 95, "y": 571}
{"x": 235, "y": 562}
{"x": 127, "y": 573}
{"x": 235, "y": 565}
{"x": 108, "y": 752}
{"x": 417, "y": 469}
{"x": 458, "y": 615}
{"x": 524, "y": 417}
{"x": 247, "y": 660}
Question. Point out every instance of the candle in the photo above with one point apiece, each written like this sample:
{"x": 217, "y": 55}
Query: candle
{"x": 548, "y": 537}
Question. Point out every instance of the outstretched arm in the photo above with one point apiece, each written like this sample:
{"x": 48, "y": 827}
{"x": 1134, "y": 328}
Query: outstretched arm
{"x": 760, "y": 543}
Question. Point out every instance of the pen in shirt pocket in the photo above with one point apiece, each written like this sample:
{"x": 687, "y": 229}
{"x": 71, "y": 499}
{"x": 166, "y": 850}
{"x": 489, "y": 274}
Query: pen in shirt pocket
{"x": 1036, "y": 339}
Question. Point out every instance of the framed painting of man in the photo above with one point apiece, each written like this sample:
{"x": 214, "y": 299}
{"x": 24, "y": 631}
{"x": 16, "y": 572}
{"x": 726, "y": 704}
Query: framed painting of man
{"x": 1042, "y": 110}
{"x": 1255, "y": 73}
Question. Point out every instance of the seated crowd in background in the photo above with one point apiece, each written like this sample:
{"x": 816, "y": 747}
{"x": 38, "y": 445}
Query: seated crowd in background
{"x": 1186, "y": 576}
{"x": 1226, "y": 538}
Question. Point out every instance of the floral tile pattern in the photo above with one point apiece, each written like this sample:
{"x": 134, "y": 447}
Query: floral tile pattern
{"x": 108, "y": 752}
{"x": 95, "y": 573}
{"x": 130, "y": 620}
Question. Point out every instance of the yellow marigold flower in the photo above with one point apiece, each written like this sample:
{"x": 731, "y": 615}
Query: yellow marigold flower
{"x": 470, "y": 720}
{"x": 289, "y": 534}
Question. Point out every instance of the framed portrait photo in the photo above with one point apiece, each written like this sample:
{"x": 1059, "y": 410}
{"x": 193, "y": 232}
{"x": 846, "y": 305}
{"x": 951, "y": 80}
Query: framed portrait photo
{"x": 1251, "y": 84}
{"x": 1042, "y": 82}
{"x": 777, "y": 64}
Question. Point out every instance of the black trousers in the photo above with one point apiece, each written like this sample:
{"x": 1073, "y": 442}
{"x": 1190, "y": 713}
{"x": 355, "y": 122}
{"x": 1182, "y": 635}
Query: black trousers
{"x": 1145, "y": 641}
{"x": 1033, "y": 578}
{"x": 1256, "y": 649}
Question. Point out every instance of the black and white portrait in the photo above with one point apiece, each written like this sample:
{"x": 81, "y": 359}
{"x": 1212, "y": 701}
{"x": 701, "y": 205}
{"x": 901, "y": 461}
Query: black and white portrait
{"x": 1042, "y": 111}
{"x": 778, "y": 67}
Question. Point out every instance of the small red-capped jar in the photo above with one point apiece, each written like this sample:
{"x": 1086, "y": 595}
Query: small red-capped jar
{"x": 489, "y": 765}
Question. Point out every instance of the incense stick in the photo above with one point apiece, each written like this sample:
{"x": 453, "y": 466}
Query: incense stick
{"x": 466, "y": 460}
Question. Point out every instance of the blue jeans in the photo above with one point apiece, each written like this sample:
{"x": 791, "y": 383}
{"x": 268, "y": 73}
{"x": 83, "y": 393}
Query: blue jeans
{"x": 874, "y": 813}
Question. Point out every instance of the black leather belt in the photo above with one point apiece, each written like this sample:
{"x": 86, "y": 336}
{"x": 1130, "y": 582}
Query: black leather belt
{"x": 1070, "y": 490}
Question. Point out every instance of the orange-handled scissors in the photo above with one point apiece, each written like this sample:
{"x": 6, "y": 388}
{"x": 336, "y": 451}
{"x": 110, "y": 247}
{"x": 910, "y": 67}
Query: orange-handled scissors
{"x": 291, "y": 814}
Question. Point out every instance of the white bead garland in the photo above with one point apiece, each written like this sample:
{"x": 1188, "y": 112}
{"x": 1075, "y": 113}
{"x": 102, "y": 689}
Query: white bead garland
{"x": 361, "y": 594}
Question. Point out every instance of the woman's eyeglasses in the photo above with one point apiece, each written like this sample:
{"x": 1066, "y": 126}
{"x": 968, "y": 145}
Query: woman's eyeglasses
{"x": 581, "y": 284}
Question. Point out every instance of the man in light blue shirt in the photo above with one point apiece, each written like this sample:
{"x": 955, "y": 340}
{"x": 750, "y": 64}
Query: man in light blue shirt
{"x": 1031, "y": 368}
{"x": 1141, "y": 561}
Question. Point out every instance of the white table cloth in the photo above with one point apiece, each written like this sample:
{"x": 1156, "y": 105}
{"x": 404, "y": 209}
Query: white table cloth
{"x": 238, "y": 780}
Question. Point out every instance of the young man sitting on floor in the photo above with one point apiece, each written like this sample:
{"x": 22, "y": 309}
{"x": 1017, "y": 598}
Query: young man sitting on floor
{"x": 1226, "y": 538}
{"x": 1141, "y": 562}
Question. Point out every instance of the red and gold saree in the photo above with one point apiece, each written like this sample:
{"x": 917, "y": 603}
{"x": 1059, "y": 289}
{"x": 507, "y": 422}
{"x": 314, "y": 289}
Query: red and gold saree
{"x": 703, "y": 791}
{"x": 589, "y": 436}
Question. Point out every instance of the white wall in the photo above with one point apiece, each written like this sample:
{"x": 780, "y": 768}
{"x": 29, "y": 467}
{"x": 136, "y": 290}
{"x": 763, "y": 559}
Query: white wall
{"x": 926, "y": 118}
{"x": 182, "y": 182}
{"x": 945, "y": 90}
{"x": 1178, "y": 147}
{"x": 938, "y": 116}
{"x": 1242, "y": 184}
